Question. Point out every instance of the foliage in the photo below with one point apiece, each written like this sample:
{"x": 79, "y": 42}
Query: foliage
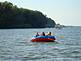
{"x": 13, "y": 17}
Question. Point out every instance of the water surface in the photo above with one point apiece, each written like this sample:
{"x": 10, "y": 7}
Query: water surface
{"x": 16, "y": 45}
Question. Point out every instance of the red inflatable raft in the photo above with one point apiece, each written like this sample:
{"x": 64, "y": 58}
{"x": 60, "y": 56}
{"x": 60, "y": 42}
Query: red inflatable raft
{"x": 43, "y": 39}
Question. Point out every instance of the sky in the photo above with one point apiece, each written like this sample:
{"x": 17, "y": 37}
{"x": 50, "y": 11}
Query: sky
{"x": 65, "y": 12}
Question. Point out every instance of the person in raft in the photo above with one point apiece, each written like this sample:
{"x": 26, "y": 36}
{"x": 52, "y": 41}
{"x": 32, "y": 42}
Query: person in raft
{"x": 49, "y": 33}
{"x": 37, "y": 34}
{"x": 42, "y": 34}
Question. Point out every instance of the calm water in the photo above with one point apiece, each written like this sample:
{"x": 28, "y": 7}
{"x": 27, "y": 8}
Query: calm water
{"x": 16, "y": 45}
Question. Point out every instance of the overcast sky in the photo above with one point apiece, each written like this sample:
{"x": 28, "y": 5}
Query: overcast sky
{"x": 66, "y": 12}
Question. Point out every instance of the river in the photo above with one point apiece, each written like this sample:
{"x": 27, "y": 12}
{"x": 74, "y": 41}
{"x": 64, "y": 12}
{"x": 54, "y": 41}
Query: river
{"x": 16, "y": 45}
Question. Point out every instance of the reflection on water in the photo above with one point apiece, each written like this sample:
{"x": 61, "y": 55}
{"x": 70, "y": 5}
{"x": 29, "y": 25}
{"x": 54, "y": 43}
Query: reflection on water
{"x": 15, "y": 45}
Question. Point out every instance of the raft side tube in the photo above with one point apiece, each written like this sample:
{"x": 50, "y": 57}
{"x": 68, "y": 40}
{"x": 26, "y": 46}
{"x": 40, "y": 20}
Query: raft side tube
{"x": 43, "y": 39}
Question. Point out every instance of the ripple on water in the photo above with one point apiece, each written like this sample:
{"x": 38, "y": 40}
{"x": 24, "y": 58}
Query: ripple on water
{"x": 15, "y": 45}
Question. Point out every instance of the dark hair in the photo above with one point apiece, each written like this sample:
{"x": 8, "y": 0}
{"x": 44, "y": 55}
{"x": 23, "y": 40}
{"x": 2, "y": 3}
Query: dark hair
{"x": 43, "y": 33}
{"x": 37, "y": 34}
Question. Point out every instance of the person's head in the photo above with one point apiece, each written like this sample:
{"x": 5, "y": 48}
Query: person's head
{"x": 43, "y": 33}
{"x": 37, "y": 33}
{"x": 49, "y": 32}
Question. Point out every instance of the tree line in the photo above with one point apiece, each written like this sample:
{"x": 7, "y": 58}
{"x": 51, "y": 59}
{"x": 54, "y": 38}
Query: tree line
{"x": 13, "y": 17}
